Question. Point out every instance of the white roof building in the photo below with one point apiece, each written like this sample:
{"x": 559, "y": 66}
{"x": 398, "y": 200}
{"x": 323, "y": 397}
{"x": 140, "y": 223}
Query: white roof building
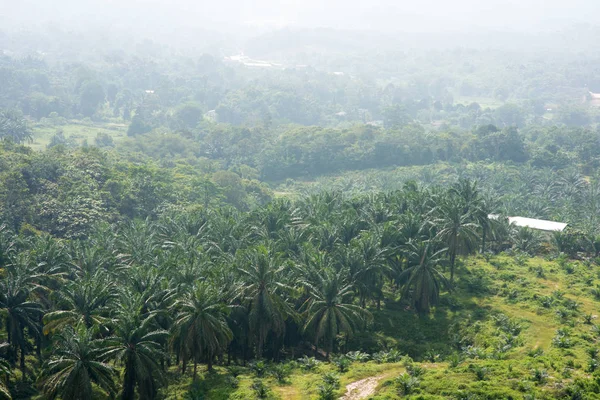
{"x": 540, "y": 224}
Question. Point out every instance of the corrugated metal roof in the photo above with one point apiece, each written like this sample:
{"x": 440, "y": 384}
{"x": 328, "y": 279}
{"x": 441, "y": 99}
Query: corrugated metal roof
{"x": 533, "y": 223}
{"x": 538, "y": 224}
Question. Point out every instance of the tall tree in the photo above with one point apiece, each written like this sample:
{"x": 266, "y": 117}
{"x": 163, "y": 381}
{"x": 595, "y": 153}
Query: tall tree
{"x": 329, "y": 309}
{"x": 265, "y": 294}
{"x": 423, "y": 279}
{"x": 455, "y": 228}
{"x": 136, "y": 343}
{"x": 201, "y": 325}
{"x": 13, "y": 126}
{"x": 76, "y": 363}
{"x": 20, "y": 311}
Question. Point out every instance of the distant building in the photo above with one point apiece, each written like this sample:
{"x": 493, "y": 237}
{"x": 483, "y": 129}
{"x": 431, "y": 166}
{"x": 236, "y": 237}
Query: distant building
{"x": 539, "y": 224}
{"x": 149, "y": 91}
{"x": 594, "y": 99}
{"x": 211, "y": 115}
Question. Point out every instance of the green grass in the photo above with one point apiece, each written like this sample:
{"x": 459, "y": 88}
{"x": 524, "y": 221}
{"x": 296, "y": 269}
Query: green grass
{"x": 503, "y": 294}
{"x": 79, "y": 131}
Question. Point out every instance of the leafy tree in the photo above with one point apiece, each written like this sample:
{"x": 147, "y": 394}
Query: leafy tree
{"x": 14, "y": 127}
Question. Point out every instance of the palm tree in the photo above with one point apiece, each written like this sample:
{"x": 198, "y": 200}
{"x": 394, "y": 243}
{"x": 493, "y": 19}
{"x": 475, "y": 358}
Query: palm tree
{"x": 264, "y": 293}
{"x": 86, "y": 301}
{"x": 76, "y": 363}
{"x": 329, "y": 308}
{"x": 14, "y": 126}
{"x": 137, "y": 344}
{"x": 423, "y": 280}
{"x": 20, "y": 312}
{"x": 481, "y": 215}
{"x": 455, "y": 229}
{"x": 201, "y": 325}
{"x": 4, "y": 374}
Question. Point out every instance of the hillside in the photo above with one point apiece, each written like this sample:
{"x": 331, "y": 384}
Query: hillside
{"x": 515, "y": 327}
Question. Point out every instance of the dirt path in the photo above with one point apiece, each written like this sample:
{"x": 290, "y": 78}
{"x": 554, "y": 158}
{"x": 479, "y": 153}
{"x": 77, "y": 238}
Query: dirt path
{"x": 361, "y": 389}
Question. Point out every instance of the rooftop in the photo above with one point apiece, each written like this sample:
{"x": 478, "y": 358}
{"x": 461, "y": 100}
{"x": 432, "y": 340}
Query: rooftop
{"x": 541, "y": 224}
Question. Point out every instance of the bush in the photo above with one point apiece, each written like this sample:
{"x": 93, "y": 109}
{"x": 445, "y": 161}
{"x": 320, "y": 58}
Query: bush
{"x": 342, "y": 363}
{"x": 480, "y": 372}
{"x": 259, "y": 368}
{"x": 407, "y": 384}
{"x": 327, "y": 390}
{"x": 454, "y": 360}
{"x": 415, "y": 370}
{"x": 539, "y": 376}
{"x": 308, "y": 363}
{"x": 260, "y": 389}
{"x": 280, "y": 372}
{"x": 358, "y": 356}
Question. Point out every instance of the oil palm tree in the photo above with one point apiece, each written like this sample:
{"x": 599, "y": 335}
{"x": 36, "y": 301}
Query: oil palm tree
{"x": 4, "y": 374}
{"x": 329, "y": 309}
{"x": 423, "y": 280}
{"x": 201, "y": 325}
{"x": 137, "y": 345}
{"x": 454, "y": 228}
{"x": 76, "y": 363}
{"x": 20, "y": 311}
{"x": 265, "y": 294}
{"x": 85, "y": 301}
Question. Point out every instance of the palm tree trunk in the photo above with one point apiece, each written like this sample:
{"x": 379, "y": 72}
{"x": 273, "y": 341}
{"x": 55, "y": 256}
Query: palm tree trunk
{"x": 259, "y": 347}
{"x": 210, "y": 363}
{"x": 23, "y": 369}
{"x": 128, "y": 381}
{"x": 452, "y": 262}
{"x": 483, "y": 235}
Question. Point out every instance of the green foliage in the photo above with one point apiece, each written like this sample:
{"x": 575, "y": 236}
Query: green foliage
{"x": 407, "y": 384}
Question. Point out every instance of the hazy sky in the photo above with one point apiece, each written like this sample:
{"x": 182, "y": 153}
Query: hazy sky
{"x": 387, "y": 15}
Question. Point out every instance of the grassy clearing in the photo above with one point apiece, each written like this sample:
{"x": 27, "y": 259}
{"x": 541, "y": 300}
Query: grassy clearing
{"x": 515, "y": 327}
{"x": 77, "y": 131}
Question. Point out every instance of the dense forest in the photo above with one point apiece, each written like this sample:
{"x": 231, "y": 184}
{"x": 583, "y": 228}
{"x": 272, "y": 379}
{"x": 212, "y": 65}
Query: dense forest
{"x": 207, "y": 226}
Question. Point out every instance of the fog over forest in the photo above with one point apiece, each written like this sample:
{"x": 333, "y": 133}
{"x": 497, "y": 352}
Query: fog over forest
{"x": 299, "y": 200}
{"x": 380, "y": 15}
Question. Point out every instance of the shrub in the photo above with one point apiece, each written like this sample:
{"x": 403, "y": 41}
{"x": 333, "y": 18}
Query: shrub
{"x": 342, "y": 363}
{"x": 308, "y": 363}
{"x": 331, "y": 382}
{"x": 480, "y": 372}
{"x": 332, "y": 379}
{"x": 454, "y": 360}
{"x": 358, "y": 356}
{"x": 407, "y": 384}
{"x": 539, "y": 376}
{"x": 280, "y": 372}
{"x": 432, "y": 356}
{"x": 259, "y": 368}
{"x": 415, "y": 370}
{"x": 260, "y": 389}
